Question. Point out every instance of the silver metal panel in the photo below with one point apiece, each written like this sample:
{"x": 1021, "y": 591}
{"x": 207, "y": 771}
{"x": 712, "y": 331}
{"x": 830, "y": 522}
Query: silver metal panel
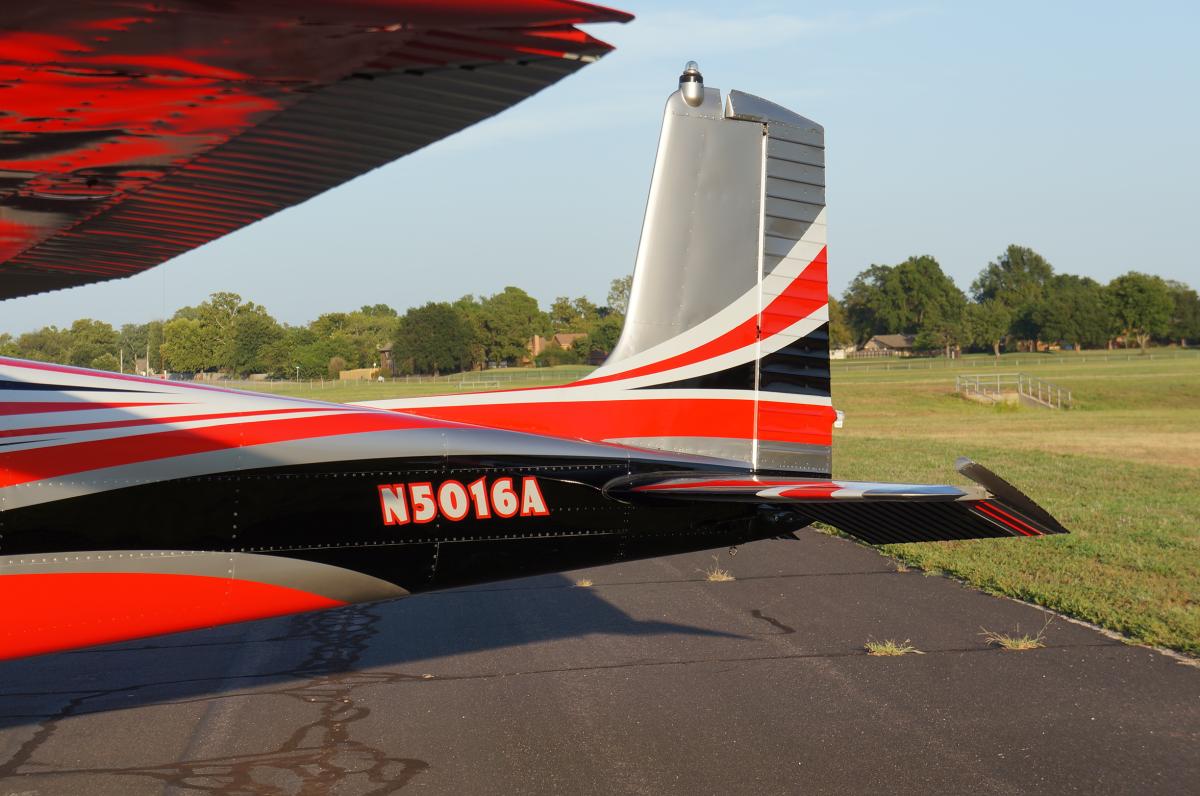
{"x": 794, "y": 457}
{"x": 783, "y": 228}
{"x": 740, "y": 105}
{"x": 796, "y": 172}
{"x": 795, "y": 191}
{"x": 699, "y": 244}
{"x": 798, "y": 153}
{"x": 734, "y": 451}
{"x": 795, "y": 211}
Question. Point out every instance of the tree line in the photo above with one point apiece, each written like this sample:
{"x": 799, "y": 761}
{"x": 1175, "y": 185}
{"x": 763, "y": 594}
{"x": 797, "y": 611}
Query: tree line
{"x": 230, "y": 335}
{"x": 1017, "y": 302}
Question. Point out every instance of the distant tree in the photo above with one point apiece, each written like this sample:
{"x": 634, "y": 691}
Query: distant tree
{"x": 472, "y": 310}
{"x": 88, "y": 339}
{"x": 840, "y": 334}
{"x": 866, "y": 303}
{"x": 336, "y": 366}
{"x": 1185, "y": 313}
{"x": 378, "y": 311}
{"x": 618, "y": 294}
{"x": 915, "y": 297}
{"x": 141, "y": 340}
{"x": 945, "y": 326}
{"x": 328, "y": 324}
{"x": 563, "y": 315}
{"x": 605, "y": 333}
{"x": 436, "y": 338}
{"x": 1017, "y": 279}
{"x": 250, "y": 335}
{"x": 8, "y": 346}
{"x": 573, "y": 315}
{"x": 48, "y": 344}
{"x": 987, "y": 323}
{"x": 1142, "y": 305}
{"x": 1073, "y": 310}
{"x": 587, "y": 312}
{"x": 106, "y": 361}
{"x": 301, "y": 346}
{"x": 187, "y": 346}
{"x": 508, "y": 321}
{"x": 220, "y": 318}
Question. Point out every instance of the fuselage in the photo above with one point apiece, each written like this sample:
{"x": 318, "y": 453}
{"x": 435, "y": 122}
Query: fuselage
{"x": 185, "y": 505}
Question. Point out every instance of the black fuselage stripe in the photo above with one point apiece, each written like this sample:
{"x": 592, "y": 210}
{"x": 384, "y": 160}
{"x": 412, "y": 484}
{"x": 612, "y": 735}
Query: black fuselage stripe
{"x": 33, "y": 385}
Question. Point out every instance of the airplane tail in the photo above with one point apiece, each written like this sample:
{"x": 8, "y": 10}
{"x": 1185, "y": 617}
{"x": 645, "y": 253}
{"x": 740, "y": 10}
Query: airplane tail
{"x": 729, "y": 299}
{"x": 725, "y": 349}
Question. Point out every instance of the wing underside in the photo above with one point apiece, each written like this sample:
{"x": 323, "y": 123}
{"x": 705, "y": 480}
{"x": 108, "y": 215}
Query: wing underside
{"x": 132, "y": 133}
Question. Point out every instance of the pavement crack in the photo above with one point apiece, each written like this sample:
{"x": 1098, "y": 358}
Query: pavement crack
{"x": 316, "y": 757}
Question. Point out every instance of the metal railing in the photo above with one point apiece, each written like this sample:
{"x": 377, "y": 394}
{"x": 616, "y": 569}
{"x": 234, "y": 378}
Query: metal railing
{"x": 994, "y": 387}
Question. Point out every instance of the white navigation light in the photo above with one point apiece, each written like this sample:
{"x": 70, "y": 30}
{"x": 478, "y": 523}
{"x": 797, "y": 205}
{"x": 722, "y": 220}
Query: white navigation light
{"x": 691, "y": 84}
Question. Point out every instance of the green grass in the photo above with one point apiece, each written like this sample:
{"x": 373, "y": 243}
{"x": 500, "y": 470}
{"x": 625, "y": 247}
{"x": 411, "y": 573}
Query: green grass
{"x": 1121, "y": 471}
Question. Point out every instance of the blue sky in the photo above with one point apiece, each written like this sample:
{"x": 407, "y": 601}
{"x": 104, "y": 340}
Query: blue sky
{"x": 952, "y": 129}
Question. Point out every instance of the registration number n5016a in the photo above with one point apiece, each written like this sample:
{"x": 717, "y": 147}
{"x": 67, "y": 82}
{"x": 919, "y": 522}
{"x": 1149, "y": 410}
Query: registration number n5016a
{"x": 453, "y": 500}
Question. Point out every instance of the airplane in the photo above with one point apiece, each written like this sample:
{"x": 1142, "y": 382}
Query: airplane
{"x": 137, "y": 506}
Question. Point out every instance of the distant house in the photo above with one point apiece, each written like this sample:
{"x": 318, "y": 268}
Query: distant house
{"x": 538, "y": 345}
{"x": 888, "y": 345}
{"x": 565, "y": 340}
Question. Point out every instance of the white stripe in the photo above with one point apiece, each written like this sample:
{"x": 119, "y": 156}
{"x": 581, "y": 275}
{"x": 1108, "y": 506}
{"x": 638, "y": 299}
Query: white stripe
{"x": 745, "y": 306}
{"x": 589, "y": 392}
{"x": 92, "y": 435}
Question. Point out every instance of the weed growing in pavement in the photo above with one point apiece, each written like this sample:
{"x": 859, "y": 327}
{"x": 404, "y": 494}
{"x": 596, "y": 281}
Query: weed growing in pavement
{"x": 890, "y": 647}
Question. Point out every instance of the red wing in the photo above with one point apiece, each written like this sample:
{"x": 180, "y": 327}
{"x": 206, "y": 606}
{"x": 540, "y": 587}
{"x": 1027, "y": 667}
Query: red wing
{"x": 131, "y": 136}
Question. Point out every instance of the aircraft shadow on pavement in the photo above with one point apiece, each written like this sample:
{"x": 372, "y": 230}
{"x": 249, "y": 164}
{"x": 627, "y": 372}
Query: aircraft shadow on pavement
{"x": 330, "y": 644}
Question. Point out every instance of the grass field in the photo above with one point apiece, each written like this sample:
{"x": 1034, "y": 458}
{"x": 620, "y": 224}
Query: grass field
{"x": 1121, "y": 471}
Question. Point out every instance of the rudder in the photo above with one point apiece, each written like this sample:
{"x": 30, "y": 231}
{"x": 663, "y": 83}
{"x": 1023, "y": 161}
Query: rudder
{"x": 730, "y": 293}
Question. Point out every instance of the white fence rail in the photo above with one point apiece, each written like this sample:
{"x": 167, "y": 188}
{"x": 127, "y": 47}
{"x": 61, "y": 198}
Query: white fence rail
{"x": 995, "y": 386}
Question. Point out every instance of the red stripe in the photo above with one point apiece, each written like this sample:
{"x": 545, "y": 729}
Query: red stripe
{"x": 60, "y": 611}
{"x": 21, "y": 467}
{"x": 811, "y": 491}
{"x": 984, "y": 509}
{"x": 166, "y": 422}
{"x": 805, "y": 295}
{"x": 603, "y": 420}
{"x": 744, "y": 483}
{"x": 36, "y": 407}
{"x": 1032, "y": 530}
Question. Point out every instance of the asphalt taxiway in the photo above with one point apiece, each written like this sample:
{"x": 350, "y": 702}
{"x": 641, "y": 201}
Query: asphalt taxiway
{"x": 650, "y": 680}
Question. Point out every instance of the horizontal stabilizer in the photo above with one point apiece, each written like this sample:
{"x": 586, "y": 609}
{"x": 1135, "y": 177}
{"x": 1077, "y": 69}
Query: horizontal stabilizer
{"x": 877, "y": 513}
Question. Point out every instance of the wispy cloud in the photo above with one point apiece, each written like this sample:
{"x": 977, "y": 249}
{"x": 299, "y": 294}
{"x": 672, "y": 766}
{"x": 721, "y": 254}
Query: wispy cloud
{"x": 601, "y": 96}
{"x": 655, "y": 32}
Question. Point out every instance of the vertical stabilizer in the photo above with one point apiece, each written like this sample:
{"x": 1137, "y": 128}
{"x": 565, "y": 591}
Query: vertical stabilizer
{"x": 729, "y": 289}
{"x": 725, "y": 349}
